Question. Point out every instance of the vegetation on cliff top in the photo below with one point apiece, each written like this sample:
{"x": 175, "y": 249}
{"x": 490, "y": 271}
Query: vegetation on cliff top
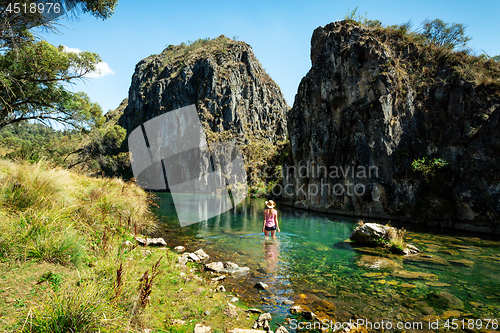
{"x": 438, "y": 43}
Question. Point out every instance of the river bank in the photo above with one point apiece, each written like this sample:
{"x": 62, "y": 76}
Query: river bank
{"x": 70, "y": 260}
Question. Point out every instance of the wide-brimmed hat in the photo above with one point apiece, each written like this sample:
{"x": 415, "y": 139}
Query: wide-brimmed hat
{"x": 270, "y": 204}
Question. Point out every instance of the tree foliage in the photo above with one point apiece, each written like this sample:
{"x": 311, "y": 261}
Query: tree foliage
{"x": 101, "y": 151}
{"x": 33, "y": 72}
{"x": 449, "y": 35}
{"x": 35, "y": 142}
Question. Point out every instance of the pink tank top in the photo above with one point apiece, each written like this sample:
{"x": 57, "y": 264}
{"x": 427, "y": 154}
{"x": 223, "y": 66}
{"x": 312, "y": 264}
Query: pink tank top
{"x": 270, "y": 218}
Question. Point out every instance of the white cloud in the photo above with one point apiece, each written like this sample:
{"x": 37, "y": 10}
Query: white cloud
{"x": 69, "y": 49}
{"x": 102, "y": 68}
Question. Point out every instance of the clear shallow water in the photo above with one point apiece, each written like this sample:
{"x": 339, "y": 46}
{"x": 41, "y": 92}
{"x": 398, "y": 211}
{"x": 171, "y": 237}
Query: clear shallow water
{"x": 311, "y": 264}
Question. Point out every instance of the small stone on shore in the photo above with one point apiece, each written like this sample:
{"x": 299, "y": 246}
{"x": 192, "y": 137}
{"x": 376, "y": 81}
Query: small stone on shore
{"x": 179, "y": 249}
{"x": 150, "y": 241}
{"x": 199, "y": 328}
{"x": 201, "y": 254}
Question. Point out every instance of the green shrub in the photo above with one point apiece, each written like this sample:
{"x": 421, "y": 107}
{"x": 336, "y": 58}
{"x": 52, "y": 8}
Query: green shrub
{"x": 54, "y": 279}
{"x": 57, "y": 246}
{"x": 428, "y": 166}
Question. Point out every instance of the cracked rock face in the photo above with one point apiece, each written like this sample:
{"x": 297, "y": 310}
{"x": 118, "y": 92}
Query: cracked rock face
{"x": 370, "y": 106}
{"x": 237, "y": 104}
{"x": 222, "y": 77}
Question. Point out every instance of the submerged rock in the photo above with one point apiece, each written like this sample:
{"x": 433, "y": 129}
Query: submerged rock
{"x": 446, "y": 300}
{"x": 427, "y": 310}
{"x": 261, "y": 286}
{"x": 451, "y": 313}
{"x": 414, "y": 275}
{"x": 308, "y": 315}
{"x": 235, "y": 270}
{"x": 433, "y": 260}
{"x": 373, "y": 262}
{"x": 462, "y": 262}
{"x": 281, "y": 329}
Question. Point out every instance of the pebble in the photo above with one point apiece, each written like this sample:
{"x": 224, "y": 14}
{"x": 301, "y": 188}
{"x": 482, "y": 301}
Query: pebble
{"x": 179, "y": 249}
{"x": 199, "y": 328}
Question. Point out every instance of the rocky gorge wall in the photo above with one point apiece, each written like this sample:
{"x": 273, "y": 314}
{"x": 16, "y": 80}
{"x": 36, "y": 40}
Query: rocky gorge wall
{"x": 222, "y": 77}
{"x": 372, "y": 104}
{"x": 235, "y": 98}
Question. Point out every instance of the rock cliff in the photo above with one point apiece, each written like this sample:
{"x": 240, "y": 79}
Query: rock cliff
{"x": 374, "y": 103}
{"x": 222, "y": 77}
{"x": 236, "y": 99}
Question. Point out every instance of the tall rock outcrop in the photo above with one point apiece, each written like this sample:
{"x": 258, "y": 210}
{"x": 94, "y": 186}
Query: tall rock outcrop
{"x": 222, "y": 77}
{"x": 236, "y": 99}
{"x": 377, "y": 101}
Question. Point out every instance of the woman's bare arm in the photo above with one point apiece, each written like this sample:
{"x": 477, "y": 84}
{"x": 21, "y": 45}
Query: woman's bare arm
{"x": 264, "y": 225}
{"x": 277, "y": 224}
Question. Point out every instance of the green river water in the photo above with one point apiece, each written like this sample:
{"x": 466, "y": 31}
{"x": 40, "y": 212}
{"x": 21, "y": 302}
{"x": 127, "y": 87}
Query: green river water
{"x": 457, "y": 275}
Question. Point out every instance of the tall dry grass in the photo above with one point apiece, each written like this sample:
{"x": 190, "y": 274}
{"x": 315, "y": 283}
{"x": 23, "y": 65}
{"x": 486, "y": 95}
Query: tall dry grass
{"x": 63, "y": 217}
{"x": 66, "y": 218}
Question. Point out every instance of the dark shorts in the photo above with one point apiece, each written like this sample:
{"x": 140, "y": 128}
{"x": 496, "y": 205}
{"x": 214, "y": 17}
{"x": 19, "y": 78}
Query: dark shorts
{"x": 270, "y": 228}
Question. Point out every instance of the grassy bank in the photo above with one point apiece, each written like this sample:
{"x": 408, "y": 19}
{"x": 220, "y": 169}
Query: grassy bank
{"x": 64, "y": 266}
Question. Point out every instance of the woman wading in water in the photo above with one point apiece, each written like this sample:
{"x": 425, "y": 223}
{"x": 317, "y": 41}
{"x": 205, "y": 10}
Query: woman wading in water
{"x": 270, "y": 220}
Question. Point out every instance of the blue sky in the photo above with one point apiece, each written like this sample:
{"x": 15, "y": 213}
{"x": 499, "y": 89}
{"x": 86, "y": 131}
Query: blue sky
{"x": 278, "y": 31}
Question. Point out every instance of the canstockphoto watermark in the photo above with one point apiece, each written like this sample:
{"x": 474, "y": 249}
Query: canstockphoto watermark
{"x": 172, "y": 149}
{"x": 310, "y": 170}
{"x": 333, "y": 180}
{"x": 326, "y": 325}
{"x": 323, "y": 188}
